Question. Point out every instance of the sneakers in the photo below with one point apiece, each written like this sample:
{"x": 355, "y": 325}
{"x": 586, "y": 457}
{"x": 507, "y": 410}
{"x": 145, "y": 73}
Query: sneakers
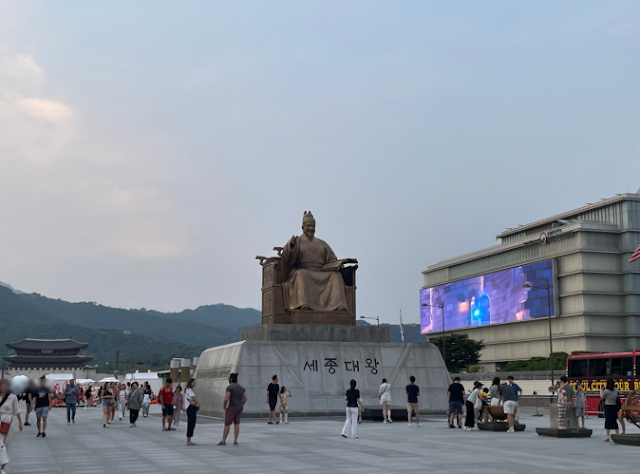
{"x": 390, "y": 420}
{"x": 511, "y": 430}
{"x": 343, "y": 435}
{"x": 73, "y": 422}
{"x": 459, "y": 426}
{"x": 27, "y": 423}
{"x": 409, "y": 425}
{"x": 130, "y": 425}
{"x": 385, "y": 422}
{"x": 418, "y": 425}
{"x": 235, "y": 443}
{"x": 222, "y": 443}
{"x": 451, "y": 426}
{"x": 44, "y": 435}
{"x": 38, "y": 435}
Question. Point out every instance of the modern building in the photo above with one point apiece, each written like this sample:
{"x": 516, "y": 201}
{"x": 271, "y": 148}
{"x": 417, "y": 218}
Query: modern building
{"x": 570, "y": 270}
{"x": 40, "y": 356}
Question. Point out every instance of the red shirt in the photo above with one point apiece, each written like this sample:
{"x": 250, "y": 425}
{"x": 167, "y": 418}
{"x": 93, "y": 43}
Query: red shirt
{"x": 166, "y": 396}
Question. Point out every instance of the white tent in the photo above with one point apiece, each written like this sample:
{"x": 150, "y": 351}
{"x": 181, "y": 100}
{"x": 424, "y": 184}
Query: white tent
{"x": 108, "y": 379}
{"x": 155, "y": 382}
{"x": 58, "y": 377}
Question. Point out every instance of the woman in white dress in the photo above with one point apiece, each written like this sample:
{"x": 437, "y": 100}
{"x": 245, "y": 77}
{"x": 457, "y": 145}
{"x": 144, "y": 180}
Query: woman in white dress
{"x": 385, "y": 400}
{"x": 10, "y": 417}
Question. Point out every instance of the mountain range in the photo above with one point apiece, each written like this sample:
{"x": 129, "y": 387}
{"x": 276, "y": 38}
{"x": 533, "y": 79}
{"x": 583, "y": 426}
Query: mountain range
{"x": 145, "y": 339}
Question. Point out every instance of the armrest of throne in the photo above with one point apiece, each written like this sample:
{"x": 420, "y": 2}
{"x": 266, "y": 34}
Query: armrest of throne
{"x": 349, "y": 272}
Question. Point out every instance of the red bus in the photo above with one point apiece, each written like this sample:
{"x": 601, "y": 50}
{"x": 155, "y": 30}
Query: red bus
{"x": 591, "y": 370}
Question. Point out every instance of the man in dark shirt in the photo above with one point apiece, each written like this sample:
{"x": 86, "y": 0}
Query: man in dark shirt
{"x": 273, "y": 394}
{"x": 235, "y": 398}
{"x": 41, "y": 400}
{"x": 413, "y": 392}
{"x": 508, "y": 401}
{"x": 455, "y": 396}
{"x": 517, "y": 391}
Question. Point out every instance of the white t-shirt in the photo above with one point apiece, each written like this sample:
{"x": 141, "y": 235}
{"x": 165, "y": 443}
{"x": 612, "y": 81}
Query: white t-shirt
{"x": 123, "y": 395}
{"x": 385, "y": 393}
{"x": 189, "y": 394}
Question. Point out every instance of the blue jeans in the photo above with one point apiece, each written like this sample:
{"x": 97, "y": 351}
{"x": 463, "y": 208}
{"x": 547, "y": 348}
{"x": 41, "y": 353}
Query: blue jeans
{"x": 71, "y": 411}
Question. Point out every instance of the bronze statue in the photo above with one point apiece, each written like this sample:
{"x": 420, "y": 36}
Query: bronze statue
{"x": 314, "y": 282}
{"x": 306, "y": 284}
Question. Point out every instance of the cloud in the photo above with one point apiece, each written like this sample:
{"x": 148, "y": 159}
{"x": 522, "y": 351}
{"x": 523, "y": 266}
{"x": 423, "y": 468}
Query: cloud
{"x": 79, "y": 186}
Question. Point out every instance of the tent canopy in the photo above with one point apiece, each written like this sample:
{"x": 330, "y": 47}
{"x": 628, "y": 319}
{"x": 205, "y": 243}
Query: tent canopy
{"x": 108, "y": 379}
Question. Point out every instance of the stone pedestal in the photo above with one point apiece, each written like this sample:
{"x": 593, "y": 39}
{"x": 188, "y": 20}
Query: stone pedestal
{"x": 567, "y": 433}
{"x": 311, "y": 332}
{"x": 500, "y": 426}
{"x": 318, "y": 372}
{"x": 628, "y": 439}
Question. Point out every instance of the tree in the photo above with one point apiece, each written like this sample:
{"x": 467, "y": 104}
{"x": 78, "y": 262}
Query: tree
{"x": 538, "y": 363}
{"x": 460, "y": 351}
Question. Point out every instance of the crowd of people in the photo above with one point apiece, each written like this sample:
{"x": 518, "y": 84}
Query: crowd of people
{"x": 116, "y": 398}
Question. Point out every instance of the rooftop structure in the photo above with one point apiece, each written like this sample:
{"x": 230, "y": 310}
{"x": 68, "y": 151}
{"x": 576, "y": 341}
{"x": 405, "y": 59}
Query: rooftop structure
{"x": 54, "y": 353}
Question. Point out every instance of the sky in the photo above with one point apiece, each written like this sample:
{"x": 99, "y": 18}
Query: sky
{"x": 150, "y": 150}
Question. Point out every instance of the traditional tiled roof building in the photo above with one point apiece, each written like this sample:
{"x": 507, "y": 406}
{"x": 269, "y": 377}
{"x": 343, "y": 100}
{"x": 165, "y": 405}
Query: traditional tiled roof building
{"x": 50, "y": 353}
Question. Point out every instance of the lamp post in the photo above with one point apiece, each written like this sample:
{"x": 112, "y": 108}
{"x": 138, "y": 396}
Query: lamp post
{"x": 377, "y": 318}
{"x": 548, "y": 290}
{"x": 444, "y": 347}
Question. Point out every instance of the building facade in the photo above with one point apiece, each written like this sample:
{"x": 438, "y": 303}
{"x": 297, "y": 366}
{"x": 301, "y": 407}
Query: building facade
{"x": 572, "y": 266}
{"x": 36, "y": 357}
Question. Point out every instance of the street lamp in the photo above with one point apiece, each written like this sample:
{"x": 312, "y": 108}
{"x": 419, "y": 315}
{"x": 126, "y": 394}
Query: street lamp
{"x": 444, "y": 347}
{"x": 548, "y": 290}
{"x": 377, "y": 318}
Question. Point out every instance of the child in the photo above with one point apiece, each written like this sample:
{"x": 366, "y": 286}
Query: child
{"x": 284, "y": 409}
{"x": 178, "y": 402}
{"x": 580, "y": 405}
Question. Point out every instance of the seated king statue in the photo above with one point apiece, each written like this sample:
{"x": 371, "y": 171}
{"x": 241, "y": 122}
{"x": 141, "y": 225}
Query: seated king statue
{"x": 314, "y": 282}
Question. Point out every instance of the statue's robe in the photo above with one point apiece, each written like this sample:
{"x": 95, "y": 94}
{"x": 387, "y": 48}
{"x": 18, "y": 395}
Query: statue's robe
{"x": 315, "y": 281}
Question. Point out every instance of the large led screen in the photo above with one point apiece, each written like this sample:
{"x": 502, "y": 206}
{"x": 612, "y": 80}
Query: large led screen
{"x": 488, "y": 299}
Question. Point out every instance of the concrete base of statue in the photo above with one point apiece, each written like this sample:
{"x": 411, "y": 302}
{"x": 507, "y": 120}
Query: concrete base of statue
{"x": 318, "y": 373}
{"x": 564, "y": 433}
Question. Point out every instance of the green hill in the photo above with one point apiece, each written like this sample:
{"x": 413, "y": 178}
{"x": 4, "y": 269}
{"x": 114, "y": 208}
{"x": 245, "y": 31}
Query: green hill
{"x": 146, "y": 339}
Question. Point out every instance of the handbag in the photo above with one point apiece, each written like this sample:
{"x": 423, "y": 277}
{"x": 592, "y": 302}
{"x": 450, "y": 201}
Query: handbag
{"x": 4, "y": 426}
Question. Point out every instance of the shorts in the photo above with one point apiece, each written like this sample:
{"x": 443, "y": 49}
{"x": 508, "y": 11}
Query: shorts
{"x": 509, "y": 407}
{"x": 579, "y": 411}
{"x": 42, "y": 412}
{"x": 385, "y": 401}
{"x": 167, "y": 409}
{"x": 412, "y": 407}
{"x": 272, "y": 403}
{"x": 495, "y": 401}
{"x": 232, "y": 415}
{"x": 455, "y": 408}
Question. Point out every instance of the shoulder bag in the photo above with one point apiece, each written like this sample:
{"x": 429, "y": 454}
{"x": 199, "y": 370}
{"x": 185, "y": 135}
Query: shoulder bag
{"x": 4, "y": 426}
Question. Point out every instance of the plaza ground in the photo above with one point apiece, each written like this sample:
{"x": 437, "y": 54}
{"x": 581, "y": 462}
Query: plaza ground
{"x": 309, "y": 446}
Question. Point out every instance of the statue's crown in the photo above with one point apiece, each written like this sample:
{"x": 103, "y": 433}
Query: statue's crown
{"x": 307, "y": 217}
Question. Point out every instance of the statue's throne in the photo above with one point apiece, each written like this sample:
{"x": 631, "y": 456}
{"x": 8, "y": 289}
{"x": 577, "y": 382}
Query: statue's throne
{"x": 274, "y": 274}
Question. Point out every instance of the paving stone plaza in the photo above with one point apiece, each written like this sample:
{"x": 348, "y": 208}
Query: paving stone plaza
{"x": 309, "y": 446}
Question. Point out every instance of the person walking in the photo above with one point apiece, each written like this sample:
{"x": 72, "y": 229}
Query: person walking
{"x": 384, "y": 394}
{"x": 413, "y": 392}
{"x": 134, "y": 401}
{"x": 455, "y": 396}
{"x": 88, "y": 397}
{"x": 71, "y": 395}
{"x": 28, "y": 398}
{"x": 285, "y": 395}
{"x": 350, "y": 428}
{"x": 41, "y": 400}
{"x": 473, "y": 405}
{"x": 147, "y": 393}
{"x": 122, "y": 400}
{"x": 235, "y": 398}
{"x": 178, "y": 404}
{"x": 273, "y": 394}
{"x": 106, "y": 400}
{"x": 610, "y": 401}
{"x": 192, "y": 410}
{"x": 165, "y": 397}
{"x": 9, "y": 414}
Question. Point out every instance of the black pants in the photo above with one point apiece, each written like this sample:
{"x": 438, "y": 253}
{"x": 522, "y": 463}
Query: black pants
{"x": 191, "y": 420}
{"x": 470, "y": 419}
{"x": 133, "y": 415}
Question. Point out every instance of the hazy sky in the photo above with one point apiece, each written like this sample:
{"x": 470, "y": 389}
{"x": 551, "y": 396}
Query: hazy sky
{"x": 150, "y": 150}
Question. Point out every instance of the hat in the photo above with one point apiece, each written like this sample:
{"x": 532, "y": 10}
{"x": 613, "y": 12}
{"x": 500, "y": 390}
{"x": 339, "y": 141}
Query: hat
{"x": 477, "y": 384}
